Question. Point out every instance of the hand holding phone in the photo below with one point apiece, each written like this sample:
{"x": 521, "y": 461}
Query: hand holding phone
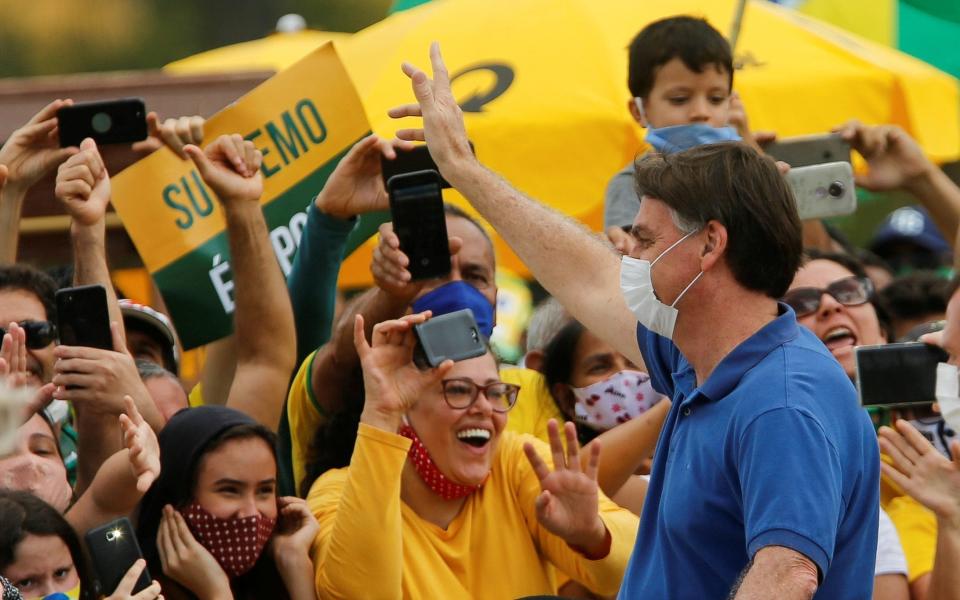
{"x": 115, "y": 554}
{"x": 803, "y": 151}
{"x": 825, "y": 190}
{"x": 83, "y": 318}
{"x": 454, "y": 336}
{"x": 107, "y": 122}
{"x": 898, "y": 374}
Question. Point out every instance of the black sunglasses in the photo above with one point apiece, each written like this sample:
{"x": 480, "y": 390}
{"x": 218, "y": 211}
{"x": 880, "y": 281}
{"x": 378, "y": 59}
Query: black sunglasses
{"x": 849, "y": 291}
{"x": 40, "y": 334}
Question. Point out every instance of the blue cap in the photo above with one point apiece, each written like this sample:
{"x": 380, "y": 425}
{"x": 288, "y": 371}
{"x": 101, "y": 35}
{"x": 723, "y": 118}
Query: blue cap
{"x": 911, "y": 224}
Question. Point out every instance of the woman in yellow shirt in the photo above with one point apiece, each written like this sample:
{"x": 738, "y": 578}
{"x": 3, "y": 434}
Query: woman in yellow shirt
{"x": 439, "y": 501}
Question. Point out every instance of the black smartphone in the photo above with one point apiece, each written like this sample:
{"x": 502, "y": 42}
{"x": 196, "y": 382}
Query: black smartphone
{"x": 806, "y": 150}
{"x": 83, "y": 318}
{"x": 453, "y": 336}
{"x": 108, "y": 122}
{"x": 416, "y": 208}
{"x": 898, "y": 374}
{"x": 113, "y": 550}
{"x": 411, "y": 161}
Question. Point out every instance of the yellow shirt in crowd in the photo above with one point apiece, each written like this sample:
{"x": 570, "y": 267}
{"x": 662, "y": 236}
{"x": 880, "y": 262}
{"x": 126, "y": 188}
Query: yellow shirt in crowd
{"x": 372, "y": 545}
{"x": 534, "y": 408}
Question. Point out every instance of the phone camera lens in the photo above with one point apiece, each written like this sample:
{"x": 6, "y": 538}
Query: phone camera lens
{"x": 101, "y": 122}
{"x": 475, "y": 335}
{"x": 836, "y": 189}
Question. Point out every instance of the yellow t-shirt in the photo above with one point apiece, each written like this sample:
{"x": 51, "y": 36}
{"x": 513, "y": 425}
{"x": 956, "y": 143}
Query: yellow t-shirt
{"x": 916, "y": 525}
{"x": 535, "y": 406}
{"x": 372, "y": 545}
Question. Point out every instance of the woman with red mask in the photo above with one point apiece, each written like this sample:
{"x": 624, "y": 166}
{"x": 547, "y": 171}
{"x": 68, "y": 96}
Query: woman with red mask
{"x": 440, "y": 501}
{"x": 212, "y": 526}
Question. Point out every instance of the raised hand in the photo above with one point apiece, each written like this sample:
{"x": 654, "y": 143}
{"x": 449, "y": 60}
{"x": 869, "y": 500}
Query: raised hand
{"x": 568, "y": 505}
{"x": 83, "y": 185}
{"x": 174, "y": 132}
{"x": 231, "y": 167}
{"x": 13, "y": 373}
{"x": 443, "y": 127}
{"x": 894, "y": 159}
{"x": 142, "y": 443}
{"x": 186, "y": 561}
{"x": 920, "y": 470}
{"x": 34, "y": 150}
{"x": 124, "y": 589}
{"x": 391, "y": 381}
{"x": 356, "y": 186}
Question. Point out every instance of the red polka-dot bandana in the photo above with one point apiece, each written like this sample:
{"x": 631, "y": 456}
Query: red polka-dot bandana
{"x": 235, "y": 543}
{"x": 430, "y": 473}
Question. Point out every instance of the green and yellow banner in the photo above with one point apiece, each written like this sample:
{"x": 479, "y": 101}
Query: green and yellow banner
{"x": 303, "y": 120}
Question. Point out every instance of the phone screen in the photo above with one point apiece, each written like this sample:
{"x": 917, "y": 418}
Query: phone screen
{"x": 898, "y": 374}
{"x": 416, "y": 207}
{"x": 110, "y": 122}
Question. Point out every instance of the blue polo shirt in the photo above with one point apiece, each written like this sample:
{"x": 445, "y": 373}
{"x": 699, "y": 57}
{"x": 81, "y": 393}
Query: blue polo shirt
{"x": 773, "y": 449}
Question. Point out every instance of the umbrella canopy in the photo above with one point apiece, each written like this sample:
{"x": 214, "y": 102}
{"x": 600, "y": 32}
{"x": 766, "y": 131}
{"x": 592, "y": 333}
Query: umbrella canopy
{"x": 275, "y": 52}
{"x": 543, "y": 86}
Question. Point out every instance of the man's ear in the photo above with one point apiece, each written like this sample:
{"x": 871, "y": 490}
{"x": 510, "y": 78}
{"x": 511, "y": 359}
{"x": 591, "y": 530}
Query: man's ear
{"x": 635, "y": 112}
{"x": 534, "y": 360}
{"x": 715, "y": 245}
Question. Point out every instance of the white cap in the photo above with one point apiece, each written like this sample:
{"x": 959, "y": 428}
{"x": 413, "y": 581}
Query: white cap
{"x": 291, "y": 23}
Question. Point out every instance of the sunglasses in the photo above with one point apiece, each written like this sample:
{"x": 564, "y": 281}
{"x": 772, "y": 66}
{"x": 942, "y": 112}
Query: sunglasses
{"x": 849, "y": 291}
{"x": 40, "y": 334}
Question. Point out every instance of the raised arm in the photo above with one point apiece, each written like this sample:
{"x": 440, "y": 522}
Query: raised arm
{"x": 564, "y": 256}
{"x": 896, "y": 162}
{"x": 28, "y": 154}
{"x": 263, "y": 322}
{"x": 778, "y": 572}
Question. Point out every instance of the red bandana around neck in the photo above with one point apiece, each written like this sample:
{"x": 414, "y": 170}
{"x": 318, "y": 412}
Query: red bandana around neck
{"x": 430, "y": 473}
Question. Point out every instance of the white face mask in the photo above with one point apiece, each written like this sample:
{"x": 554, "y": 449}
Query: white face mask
{"x": 636, "y": 285}
{"x": 948, "y": 394}
{"x": 615, "y": 400}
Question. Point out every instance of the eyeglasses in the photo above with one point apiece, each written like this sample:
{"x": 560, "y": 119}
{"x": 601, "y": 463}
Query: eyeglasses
{"x": 849, "y": 291}
{"x": 462, "y": 393}
{"x": 40, "y": 334}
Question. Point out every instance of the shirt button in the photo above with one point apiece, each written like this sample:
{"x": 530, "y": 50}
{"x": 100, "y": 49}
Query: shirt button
{"x": 686, "y": 411}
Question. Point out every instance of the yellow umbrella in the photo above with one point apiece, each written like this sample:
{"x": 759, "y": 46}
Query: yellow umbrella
{"x": 543, "y": 85}
{"x": 275, "y": 52}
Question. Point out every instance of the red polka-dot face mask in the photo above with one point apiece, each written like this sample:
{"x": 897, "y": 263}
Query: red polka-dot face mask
{"x": 430, "y": 473}
{"x": 235, "y": 543}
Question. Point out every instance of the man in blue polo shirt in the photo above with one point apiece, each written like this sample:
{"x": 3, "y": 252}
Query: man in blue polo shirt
{"x": 766, "y": 477}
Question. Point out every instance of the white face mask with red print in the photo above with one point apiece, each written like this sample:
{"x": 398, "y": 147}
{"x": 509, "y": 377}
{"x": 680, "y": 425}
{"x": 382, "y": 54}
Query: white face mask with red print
{"x": 615, "y": 400}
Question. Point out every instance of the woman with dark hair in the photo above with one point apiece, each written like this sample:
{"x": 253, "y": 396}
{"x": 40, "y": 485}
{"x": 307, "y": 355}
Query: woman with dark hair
{"x": 610, "y": 398}
{"x": 41, "y": 555}
{"x": 212, "y": 523}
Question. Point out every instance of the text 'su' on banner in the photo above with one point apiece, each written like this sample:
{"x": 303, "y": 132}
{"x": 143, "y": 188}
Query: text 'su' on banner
{"x": 303, "y": 120}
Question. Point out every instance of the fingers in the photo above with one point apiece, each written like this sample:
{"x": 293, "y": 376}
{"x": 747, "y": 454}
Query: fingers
{"x": 181, "y": 530}
{"x": 412, "y": 135}
{"x": 405, "y": 110}
{"x": 177, "y": 541}
{"x": 41, "y": 398}
{"x": 149, "y": 593}
{"x": 49, "y": 111}
{"x": 573, "y": 447}
{"x": 200, "y": 160}
{"x": 360, "y": 338}
{"x": 119, "y": 344}
{"x": 556, "y": 447}
{"x": 130, "y": 578}
{"x": 196, "y": 124}
{"x": 918, "y": 443}
{"x": 895, "y": 475}
{"x": 455, "y": 245}
{"x": 440, "y": 75}
{"x": 593, "y": 461}
{"x": 130, "y": 407}
{"x": 539, "y": 465}
{"x": 897, "y": 448}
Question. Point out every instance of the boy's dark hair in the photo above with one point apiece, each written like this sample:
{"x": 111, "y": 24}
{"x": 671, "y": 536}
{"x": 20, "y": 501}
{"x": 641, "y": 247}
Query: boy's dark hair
{"x": 692, "y": 40}
{"x": 742, "y": 189}
{"x": 28, "y": 279}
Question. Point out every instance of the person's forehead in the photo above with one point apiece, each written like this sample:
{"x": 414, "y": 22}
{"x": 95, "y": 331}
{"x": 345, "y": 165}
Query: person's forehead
{"x": 479, "y": 369}
{"x": 41, "y": 552}
{"x": 819, "y": 273}
{"x": 242, "y": 459}
{"x": 20, "y": 305}
{"x": 675, "y": 73}
{"x": 476, "y": 247}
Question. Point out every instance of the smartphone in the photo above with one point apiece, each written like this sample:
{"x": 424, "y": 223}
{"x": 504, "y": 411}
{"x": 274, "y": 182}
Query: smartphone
{"x": 823, "y": 191}
{"x": 453, "y": 336}
{"x": 109, "y": 122}
{"x": 83, "y": 318}
{"x": 898, "y": 374}
{"x": 416, "y": 208}
{"x": 411, "y": 161}
{"x": 806, "y": 150}
{"x": 113, "y": 550}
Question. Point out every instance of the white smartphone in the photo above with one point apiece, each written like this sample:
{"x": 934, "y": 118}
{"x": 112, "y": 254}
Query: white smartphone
{"x": 825, "y": 190}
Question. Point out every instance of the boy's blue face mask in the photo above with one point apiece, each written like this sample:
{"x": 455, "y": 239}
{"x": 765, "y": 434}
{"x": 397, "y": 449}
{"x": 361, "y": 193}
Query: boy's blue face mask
{"x": 457, "y": 295}
{"x": 677, "y": 138}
